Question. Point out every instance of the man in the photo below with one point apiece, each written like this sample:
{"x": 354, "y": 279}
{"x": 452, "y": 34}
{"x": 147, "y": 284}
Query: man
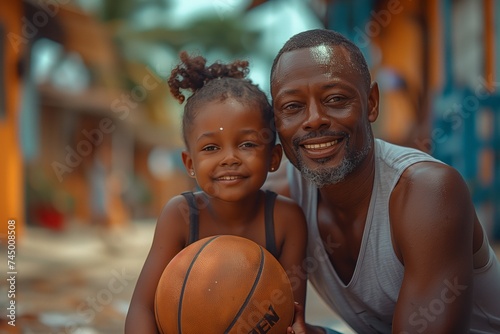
{"x": 393, "y": 234}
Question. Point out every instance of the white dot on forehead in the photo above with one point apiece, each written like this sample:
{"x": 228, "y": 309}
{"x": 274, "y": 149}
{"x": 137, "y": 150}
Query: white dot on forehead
{"x": 221, "y": 128}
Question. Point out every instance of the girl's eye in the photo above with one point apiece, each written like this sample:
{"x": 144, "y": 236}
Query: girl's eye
{"x": 209, "y": 148}
{"x": 248, "y": 144}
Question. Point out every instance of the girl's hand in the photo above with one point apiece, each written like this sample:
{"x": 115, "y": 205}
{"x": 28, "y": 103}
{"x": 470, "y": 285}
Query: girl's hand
{"x": 299, "y": 325}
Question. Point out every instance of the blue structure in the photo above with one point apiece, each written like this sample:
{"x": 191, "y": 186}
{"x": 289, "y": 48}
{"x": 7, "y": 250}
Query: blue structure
{"x": 465, "y": 120}
{"x": 466, "y": 128}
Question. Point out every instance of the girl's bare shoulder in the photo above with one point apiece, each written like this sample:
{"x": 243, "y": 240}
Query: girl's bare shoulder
{"x": 287, "y": 211}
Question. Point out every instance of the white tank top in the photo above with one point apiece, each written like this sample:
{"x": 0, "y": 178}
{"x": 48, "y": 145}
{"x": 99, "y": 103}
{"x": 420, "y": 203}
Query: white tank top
{"x": 367, "y": 302}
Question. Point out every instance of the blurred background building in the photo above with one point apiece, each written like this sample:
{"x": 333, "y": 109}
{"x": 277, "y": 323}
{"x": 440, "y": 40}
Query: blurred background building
{"x": 90, "y": 132}
{"x": 90, "y": 135}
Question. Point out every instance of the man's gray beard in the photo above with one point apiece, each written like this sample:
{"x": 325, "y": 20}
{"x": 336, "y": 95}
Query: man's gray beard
{"x": 326, "y": 176}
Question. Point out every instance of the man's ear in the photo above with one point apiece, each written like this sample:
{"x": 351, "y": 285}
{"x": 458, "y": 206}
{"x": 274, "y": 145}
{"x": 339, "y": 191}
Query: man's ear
{"x": 373, "y": 102}
{"x": 188, "y": 163}
{"x": 276, "y": 155}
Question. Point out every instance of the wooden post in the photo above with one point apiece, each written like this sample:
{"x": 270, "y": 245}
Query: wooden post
{"x": 11, "y": 165}
{"x": 489, "y": 44}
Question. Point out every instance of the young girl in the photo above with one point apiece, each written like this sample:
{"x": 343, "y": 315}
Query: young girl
{"x": 230, "y": 148}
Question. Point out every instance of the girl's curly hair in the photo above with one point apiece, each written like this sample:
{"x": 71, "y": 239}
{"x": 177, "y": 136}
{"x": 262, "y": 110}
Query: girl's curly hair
{"x": 215, "y": 82}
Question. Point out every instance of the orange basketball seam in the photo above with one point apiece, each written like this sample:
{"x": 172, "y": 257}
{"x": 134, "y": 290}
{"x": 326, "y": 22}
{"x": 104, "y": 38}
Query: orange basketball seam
{"x": 179, "y": 312}
{"x": 250, "y": 293}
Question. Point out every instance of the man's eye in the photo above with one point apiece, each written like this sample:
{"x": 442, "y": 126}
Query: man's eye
{"x": 291, "y": 108}
{"x": 334, "y": 99}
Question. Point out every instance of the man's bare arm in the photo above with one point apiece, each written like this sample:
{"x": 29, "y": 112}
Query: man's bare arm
{"x": 432, "y": 221}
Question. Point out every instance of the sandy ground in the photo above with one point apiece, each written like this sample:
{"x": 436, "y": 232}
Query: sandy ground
{"x": 81, "y": 281}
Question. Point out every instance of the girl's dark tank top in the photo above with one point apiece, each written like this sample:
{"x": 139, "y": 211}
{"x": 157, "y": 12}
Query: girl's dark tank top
{"x": 270, "y": 198}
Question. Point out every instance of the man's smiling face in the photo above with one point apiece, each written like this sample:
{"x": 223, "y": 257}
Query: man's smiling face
{"x": 323, "y": 111}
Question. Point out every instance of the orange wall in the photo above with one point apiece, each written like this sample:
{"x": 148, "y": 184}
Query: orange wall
{"x": 401, "y": 49}
{"x": 11, "y": 168}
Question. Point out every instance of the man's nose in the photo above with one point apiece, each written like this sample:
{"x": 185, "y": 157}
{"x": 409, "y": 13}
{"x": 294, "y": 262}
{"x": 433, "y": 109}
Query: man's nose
{"x": 316, "y": 117}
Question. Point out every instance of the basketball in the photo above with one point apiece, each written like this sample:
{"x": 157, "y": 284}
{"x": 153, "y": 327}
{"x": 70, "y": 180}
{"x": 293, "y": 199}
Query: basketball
{"x": 224, "y": 284}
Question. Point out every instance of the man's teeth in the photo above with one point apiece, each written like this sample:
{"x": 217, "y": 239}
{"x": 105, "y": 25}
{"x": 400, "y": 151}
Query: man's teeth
{"x": 320, "y": 146}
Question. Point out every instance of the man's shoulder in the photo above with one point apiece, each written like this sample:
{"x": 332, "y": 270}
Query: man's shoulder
{"x": 392, "y": 158}
{"x": 385, "y": 149}
{"x": 432, "y": 174}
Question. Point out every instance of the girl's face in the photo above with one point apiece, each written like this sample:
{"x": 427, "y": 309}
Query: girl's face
{"x": 230, "y": 149}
